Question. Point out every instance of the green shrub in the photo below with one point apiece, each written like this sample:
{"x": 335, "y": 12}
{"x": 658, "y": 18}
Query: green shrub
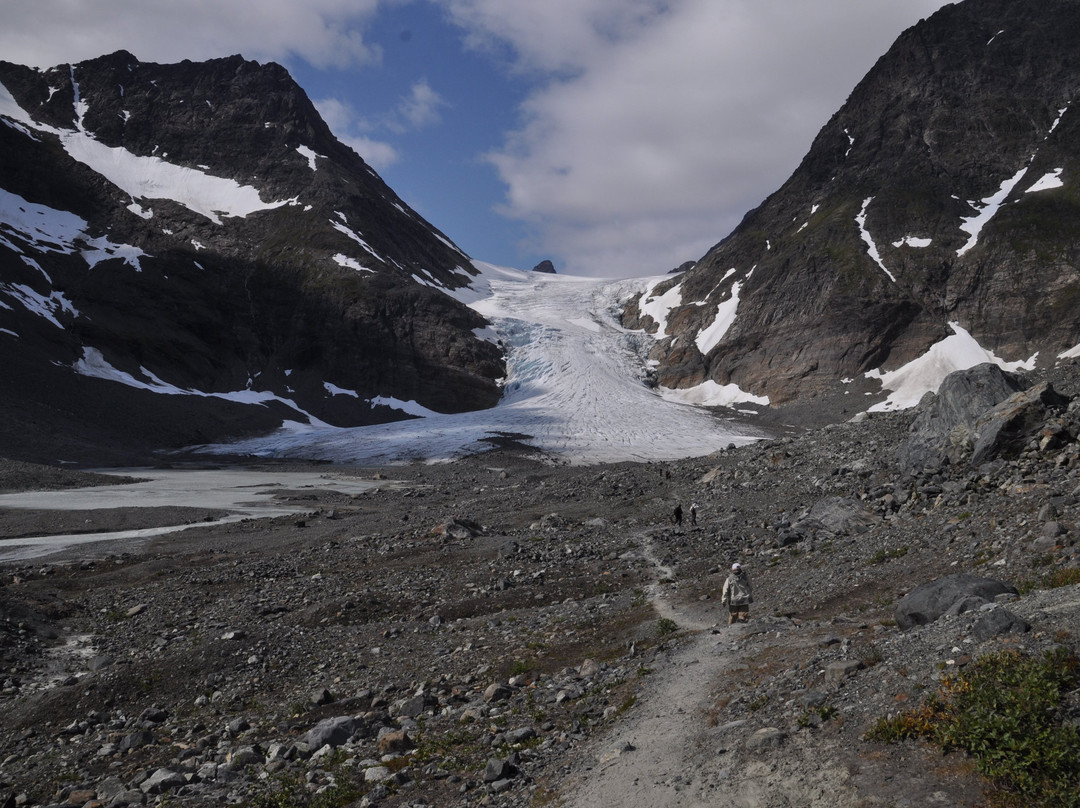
{"x": 1006, "y": 712}
{"x": 665, "y": 626}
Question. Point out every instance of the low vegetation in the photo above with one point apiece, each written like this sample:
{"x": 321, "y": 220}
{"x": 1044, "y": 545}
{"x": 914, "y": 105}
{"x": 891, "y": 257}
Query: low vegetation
{"x": 1010, "y": 712}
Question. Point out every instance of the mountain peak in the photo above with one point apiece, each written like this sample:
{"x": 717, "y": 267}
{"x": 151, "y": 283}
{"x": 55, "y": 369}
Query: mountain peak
{"x": 191, "y": 243}
{"x": 937, "y": 198}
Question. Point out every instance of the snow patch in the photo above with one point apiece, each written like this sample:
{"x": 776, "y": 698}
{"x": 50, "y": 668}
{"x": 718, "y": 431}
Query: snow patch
{"x": 407, "y": 407}
{"x": 309, "y": 155}
{"x": 711, "y": 394}
{"x": 334, "y": 390}
{"x": 913, "y": 241}
{"x": 708, "y": 338}
{"x": 351, "y": 263}
{"x": 912, "y": 381}
{"x": 44, "y": 229}
{"x": 146, "y": 177}
{"x": 1047, "y": 181}
{"x": 659, "y": 307}
{"x": 871, "y": 246}
{"x": 986, "y": 210}
{"x": 94, "y": 364}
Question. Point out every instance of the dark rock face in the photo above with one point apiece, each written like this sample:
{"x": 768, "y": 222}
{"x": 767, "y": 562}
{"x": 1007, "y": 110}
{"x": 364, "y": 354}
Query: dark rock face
{"x": 323, "y": 293}
{"x": 866, "y": 254}
{"x": 545, "y": 266}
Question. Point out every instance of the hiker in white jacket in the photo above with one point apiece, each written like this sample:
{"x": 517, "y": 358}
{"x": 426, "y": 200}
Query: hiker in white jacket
{"x": 737, "y": 595}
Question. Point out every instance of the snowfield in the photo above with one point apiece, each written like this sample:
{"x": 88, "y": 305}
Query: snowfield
{"x": 574, "y": 388}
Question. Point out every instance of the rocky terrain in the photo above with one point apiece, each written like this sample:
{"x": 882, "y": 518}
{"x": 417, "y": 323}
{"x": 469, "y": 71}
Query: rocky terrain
{"x": 507, "y": 631}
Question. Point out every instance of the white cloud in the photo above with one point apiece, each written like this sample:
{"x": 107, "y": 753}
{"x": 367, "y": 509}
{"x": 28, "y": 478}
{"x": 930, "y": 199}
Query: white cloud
{"x": 348, "y": 126}
{"x": 661, "y": 124}
{"x": 421, "y": 107}
{"x": 323, "y": 32}
{"x": 554, "y": 36}
{"x": 417, "y": 110}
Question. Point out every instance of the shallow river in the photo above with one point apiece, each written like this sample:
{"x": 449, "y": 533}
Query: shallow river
{"x": 244, "y": 493}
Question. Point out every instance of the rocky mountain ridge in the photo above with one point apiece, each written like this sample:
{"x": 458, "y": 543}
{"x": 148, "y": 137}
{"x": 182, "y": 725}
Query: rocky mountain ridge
{"x": 188, "y": 253}
{"x": 941, "y": 196}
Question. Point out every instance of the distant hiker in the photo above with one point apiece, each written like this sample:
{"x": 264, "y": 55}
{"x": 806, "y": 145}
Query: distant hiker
{"x": 677, "y": 516}
{"x": 693, "y": 514}
{"x": 737, "y": 595}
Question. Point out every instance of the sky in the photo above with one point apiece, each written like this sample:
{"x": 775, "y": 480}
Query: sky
{"x": 616, "y": 138}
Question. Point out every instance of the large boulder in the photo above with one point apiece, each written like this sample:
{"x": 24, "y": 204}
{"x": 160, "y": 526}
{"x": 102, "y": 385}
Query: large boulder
{"x": 842, "y": 516}
{"x": 1005, "y": 428}
{"x": 928, "y": 602}
{"x": 944, "y": 423}
{"x": 334, "y": 732}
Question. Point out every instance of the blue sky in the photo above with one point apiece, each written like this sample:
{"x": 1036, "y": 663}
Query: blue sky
{"x": 615, "y": 137}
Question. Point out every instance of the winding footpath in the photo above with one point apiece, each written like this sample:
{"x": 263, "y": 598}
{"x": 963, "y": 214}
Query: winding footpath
{"x": 654, "y": 756}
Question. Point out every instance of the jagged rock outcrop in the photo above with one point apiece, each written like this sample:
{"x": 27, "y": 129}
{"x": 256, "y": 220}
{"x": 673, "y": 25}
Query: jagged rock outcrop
{"x": 981, "y": 413}
{"x": 188, "y": 253}
{"x": 545, "y": 266}
{"x": 943, "y": 425}
{"x": 940, "y": 193}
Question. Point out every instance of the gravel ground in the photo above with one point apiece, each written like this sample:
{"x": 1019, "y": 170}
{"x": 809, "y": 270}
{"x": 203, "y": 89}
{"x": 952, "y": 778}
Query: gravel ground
{"x": 503, "y": 631}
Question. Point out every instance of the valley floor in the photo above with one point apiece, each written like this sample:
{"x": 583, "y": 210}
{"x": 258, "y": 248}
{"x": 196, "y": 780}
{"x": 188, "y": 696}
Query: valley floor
{"x": 504, "y": 631}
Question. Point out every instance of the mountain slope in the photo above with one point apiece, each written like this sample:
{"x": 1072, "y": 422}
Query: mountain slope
{"x": 187, "y": 253}
{"x": 940, "y": 201}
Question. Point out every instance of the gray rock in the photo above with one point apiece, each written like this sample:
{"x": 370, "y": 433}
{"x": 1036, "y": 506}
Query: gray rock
{"x": 129, "y": 797}
{"x": 99, "y": 662}
{"x": 1004, "y": 429}
{"x": 928, "y": 602}
{"x": 245, "y": 756}
{"x": 136, "y": 740}
{"x": 161, "y": 781}
{"x": 415, "y": 706}
{"x": 968, "y": 604}
{"x": 839, "y": 671}
{"x": 498, "y": 692}
{"x": 333, "y": 732}
{"x": 376, "y": 774}
{"x": 809, "y": 699}
{"x": 839, "y": 515}
{"x": 767, "y": 738}
{"x": 943, "y": 427}
{"x": 109, "y": 788}
{"x": 520, "y": 735}
{"x": 498, "y": 769}
{"x": 997, "y": 622}
{"x": 1053, "y": 529}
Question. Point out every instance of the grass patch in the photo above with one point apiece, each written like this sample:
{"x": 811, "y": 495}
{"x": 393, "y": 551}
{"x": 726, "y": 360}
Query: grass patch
{"x": 286, "y": 791}
{"x": 1052, "y": 580}
{"x": 1006, "y": 711}
{"x": 824, "y": 713}
{"x": 883, "y": 555}
{"x": 666, "y": 626}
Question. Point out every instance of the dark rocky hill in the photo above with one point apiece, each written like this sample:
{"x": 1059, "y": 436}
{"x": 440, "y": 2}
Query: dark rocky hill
{"x": 196, "y": 231}
{"x": 943, "y": 191}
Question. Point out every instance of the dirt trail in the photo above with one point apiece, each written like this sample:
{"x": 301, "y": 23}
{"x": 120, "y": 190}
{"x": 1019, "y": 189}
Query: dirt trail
{"x": 654, "y": 756}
